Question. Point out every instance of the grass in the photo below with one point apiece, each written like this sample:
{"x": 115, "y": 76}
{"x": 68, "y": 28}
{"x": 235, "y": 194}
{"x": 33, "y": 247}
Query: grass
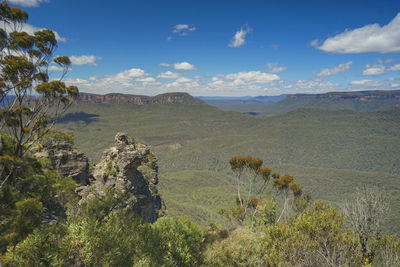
{"x": 329, "y": 152}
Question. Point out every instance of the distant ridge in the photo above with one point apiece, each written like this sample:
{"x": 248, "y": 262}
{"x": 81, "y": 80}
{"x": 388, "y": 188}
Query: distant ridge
{"x": 363, "y": 96}
{"x": 360, "y": 101}
{"x": 117, "y": 98}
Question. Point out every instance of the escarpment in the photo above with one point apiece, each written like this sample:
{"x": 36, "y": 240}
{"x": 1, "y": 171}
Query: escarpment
{"x": 116, "y": 98}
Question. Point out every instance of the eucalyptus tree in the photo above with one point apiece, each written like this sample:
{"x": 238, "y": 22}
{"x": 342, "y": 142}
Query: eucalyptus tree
{"x": 252, "y": 180}
{"x": 365, "y": 213}
{"x": 287, "y": 187}
{"x": 30, "y": 101}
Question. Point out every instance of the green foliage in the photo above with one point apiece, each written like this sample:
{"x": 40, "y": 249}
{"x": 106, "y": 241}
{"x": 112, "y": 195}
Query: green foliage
{"x": 117, "y": 240}
{"x": 41, "y": 248}
{"x": 28, "y": 215}
{"x": 181, "y": 240}
{"x": 54, "y": 136}
{"x": 100, "y": 205}
{"x": 193, "y": 176}
{"x": 34, "y": 192}
{"x": 29, "y": 101}
{"x": 241, "y": 248}
{"x": 316, "y": 237}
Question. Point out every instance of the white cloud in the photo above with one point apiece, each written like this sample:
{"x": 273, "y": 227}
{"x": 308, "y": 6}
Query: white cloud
{"x": 316, "y": 86}
{"x": 380, "y": 68}
{"x": 252, "y": 77}
{"x": 183, "y": 80}
{"x": 165, "y": 65}
{"x": 376, "y": 69}
{"x": 28, "y": 3}
{"x": 337, "y": 69}
{"x": 137, "y": 81}
{"x": 275, "y": 68}
{"x": 84, "y": 60}
{"x": 395, "y": 67}
{"x": 242, "y": 82}
{"x": 240, "y": 37}
{"x": 183, "y": 29}
{"x": 362, "y": 82}
{"x": 124, "y": 81}
{"x": 55, "y": 68}
{"x": 169, "y": 75}
{"x": 184, "y": 66}
{"x": 367, "y": 84}
{"x": 370, "y": 38}
{"x": 146, "y": 80}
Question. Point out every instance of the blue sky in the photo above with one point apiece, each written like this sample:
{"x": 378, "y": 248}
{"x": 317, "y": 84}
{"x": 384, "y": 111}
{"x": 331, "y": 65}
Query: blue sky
{"x": 231, "y": 48}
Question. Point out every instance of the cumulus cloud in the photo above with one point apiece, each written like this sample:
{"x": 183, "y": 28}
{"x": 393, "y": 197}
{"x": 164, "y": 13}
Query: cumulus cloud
{"x": 165, "y": 65}
{"x": 137, "y": 81}
{"x": 183, "y": 80}
{"x": 252, "y": 77}
{"x": 169, "y": 75}
{"x": 362, "y": 82}
{"x": 56, "y": 68}
{"x": 146, "y": 79}
{"x": 28, "y": 3}
{"x": 84, "y": 60}
{"x": 242, "y": 81}
{"x": 240, "y": 37}
{"x": 337, "y": 69}
{"x": 183, "y": 29}
{"x": 316, "y": 85}
{"x": 376, "y": 69}
{"x": 380, "y": 68}
{"x": 275, "y": 68}
{"x": 395, "y": 67}
{"x": 370, "y": 38}
{"x": 124, "y": 81}
{"x": 184, "y": 66}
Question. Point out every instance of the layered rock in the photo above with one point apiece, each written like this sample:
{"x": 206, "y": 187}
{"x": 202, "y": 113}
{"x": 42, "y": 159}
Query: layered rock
{"x": 66, "y": 159}
{"x": 115, "y": 98}
{"x": 130, "y": 168}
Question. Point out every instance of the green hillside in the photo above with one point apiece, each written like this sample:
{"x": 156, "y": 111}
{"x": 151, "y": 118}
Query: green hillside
{"x": 362, "y": 101}
{"x": 329, "y": 152}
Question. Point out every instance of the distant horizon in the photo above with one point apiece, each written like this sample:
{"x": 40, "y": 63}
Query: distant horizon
{"x": 243, "y": 96}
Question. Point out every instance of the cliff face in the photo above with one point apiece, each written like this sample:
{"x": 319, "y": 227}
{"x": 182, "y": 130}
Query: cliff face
{"x": 168, "y": 98}
{"x": 67, "y": 160}
{"x": 130, "y": 168}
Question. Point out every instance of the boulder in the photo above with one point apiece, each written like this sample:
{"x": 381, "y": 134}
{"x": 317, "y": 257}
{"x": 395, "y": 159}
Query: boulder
{"x": 131, "y": 168}
{"x": 66, "y": 159}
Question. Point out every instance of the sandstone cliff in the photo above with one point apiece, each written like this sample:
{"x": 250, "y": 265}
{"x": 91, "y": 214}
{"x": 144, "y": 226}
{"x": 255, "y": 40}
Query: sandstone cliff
{"x": 65, "y": 159}
{"x": 168, "y": 98}
{"x": 131, "y": 168}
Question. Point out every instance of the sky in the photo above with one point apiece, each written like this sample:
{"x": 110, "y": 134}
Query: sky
{"x": 223, "y": 48}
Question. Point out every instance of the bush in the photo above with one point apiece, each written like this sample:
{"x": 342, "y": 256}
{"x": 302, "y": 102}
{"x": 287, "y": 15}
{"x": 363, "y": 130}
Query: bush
{"x": 182, "y": 241}
{"x": 241, "y": 248}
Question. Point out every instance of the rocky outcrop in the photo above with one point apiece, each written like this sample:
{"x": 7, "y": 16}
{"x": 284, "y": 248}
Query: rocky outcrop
{"x": 128, "y": 167}
{"x": 115, "y": 98}
{"x": 65, "y": 159}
